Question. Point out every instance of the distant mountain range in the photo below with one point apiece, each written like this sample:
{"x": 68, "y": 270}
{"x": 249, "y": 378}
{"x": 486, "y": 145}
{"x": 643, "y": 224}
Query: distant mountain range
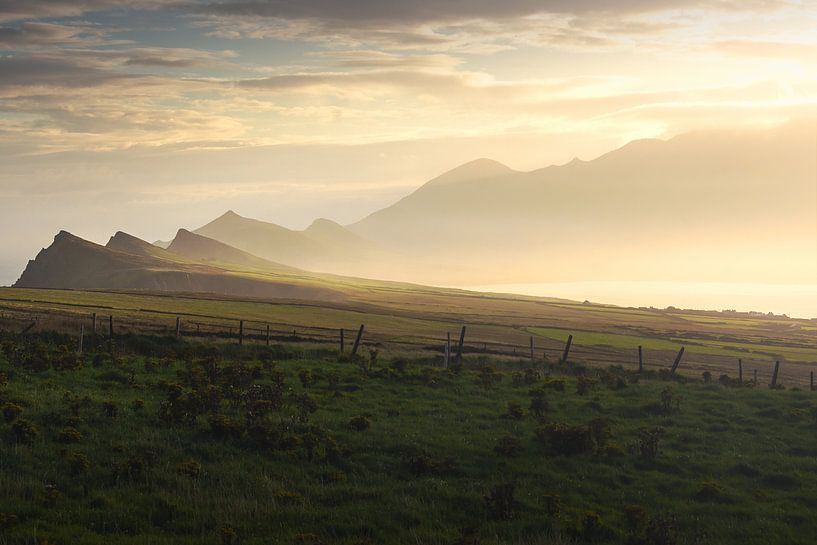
{"x": 703, "y": 206}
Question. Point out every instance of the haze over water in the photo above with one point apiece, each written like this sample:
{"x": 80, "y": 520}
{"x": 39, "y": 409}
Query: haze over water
{"x": 794, "y": 300}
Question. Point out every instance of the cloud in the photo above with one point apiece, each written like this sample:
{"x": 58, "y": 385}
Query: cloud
{"x": 50, "y": 34}
{"x": 788, "y": 51}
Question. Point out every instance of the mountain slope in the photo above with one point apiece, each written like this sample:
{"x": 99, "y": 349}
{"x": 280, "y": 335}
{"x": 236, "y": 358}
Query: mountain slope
{"x": 203, "y": 249}
{"x": 71, "y": 262}
{"x": 324, "y": 246}
{"x": 702, "y": 206}
{"x": 130, "y": 244}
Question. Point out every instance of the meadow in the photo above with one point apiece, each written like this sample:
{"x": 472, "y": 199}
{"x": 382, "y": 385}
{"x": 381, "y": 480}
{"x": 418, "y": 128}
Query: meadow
{"x": 161, "y": 440}
{"x": 416, "y": 320}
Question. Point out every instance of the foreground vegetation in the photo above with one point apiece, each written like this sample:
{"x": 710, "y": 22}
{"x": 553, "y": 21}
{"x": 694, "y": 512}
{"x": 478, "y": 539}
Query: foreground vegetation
{"x": 159, "y": 440}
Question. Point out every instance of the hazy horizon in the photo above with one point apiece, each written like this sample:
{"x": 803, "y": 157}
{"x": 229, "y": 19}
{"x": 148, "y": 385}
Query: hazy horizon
{"x": 150, "y": 116}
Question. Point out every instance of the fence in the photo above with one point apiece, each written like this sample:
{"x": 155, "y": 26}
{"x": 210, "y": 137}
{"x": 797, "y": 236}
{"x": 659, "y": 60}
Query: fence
{"x": 523, "y": 346}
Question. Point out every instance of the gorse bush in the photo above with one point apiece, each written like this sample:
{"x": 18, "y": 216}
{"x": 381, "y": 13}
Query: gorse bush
{"x": 565, "y": 439}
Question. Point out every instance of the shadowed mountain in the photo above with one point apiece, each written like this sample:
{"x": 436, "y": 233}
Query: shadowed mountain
{"x": 323, "y": 246}
{"x": 208, "y": 250}
{"x": 123, "y": 242}
{"x": 71, "y": 262}
{"x": 701, "y": 206}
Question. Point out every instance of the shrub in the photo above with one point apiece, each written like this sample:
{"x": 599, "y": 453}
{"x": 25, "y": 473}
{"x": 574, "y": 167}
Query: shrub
{"x": 70, "y": 435}
{"x": 599, "y": 429}
{"x": 670, "y": 399}
{"x": 11, "y": 411}
{"x": 360, "y": 423}
{"x": 532, "y": 376}
{"x": 306, "y": 377}
{"x": 538, "y": 403}
{"x": 305, "y": 406}
{"x": 227, "y": 535}
{"x": 488, "y": 377}
{"x": 565, "y": 439}
{"x": 24, "y": 431}
{"x": 190, "y": 468}
{"x": 584, "y": 384}
{"x": 648, "y": 442}
{"x": 555, "y": 384}
{"x": 500, "y": 501}
{"x": 515, "y": 411}
{"x": 222, "y": 426}
{"x": 78, "y": 463}
{"x": 110, "y": 409}
{"x": 423, "y": 464}
{"x": 710, "y": 491}
{"x": 508, "y": 446}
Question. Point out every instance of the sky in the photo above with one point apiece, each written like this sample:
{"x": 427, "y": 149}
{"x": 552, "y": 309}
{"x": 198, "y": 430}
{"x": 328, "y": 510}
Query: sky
{"x": 149, "y": 115}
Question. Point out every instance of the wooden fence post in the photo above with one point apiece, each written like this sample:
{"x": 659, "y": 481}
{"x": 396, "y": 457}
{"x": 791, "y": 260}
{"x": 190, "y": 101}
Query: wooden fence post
{"x": 640, "y": 360}
{"x": 267, "y": 334}
{"x": 566, "y": 352}
{"x": 740, "y": 370}
{"x": 447, "y": 349}
{"x": 341, "y": 340}
{"x": 459, "y": 346}
{"x": 755, "y": 381}
{"x": 774, "y": 375}
{"x": 357, "y": 340}
{"x": 241, "y": 332}
{"x": 677, "y": 361}
{"x": 178, "y": 326}
{"x": 531, "y": 348}
{"x": 93, "y": 321}
{"x": 812, "y": 382}
{"x": 110, "y": 326}
{"x": 81, "y": 336}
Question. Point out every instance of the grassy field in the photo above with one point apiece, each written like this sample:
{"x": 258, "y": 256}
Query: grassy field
{"x": 419, "y": 318}
{"x": 164, "y": 441}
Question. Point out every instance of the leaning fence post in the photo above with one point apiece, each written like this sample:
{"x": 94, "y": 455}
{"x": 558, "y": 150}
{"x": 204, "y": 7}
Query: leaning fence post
{"x": 81, "y": 336}
{"x": 677, "y": 361}
{"x": 459, "y": 346}
{"x": 740, "y": 370}
{"x": 567, "y": 348}
{"x": 178, "y": 326}
{"x": 640, "y": 360}
{"x": 241, "y": 332}
{"x": 774, "y": 375}
{"x": 357, "y": 340}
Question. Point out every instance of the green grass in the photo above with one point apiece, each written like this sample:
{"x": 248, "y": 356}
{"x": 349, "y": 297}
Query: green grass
{"x": 735, "y": 464}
